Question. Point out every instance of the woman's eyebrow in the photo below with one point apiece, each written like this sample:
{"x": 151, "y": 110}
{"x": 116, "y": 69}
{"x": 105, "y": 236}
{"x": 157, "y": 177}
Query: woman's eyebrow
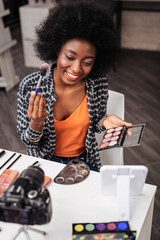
{"x": 90, "y": 57}
{"x": 69, "y": 50}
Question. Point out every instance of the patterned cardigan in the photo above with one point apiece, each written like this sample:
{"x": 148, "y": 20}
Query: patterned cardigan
{"x": 97, "y": 96}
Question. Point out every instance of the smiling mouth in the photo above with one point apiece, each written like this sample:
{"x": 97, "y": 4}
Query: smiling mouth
{"x": 71, "y": 76}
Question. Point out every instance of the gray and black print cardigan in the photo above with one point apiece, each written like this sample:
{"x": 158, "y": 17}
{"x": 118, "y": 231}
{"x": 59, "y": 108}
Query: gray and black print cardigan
{"x": 97, "y": 96}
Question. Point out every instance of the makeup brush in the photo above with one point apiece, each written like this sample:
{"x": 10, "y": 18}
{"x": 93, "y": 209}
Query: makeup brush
{"x": 43, "y": 70}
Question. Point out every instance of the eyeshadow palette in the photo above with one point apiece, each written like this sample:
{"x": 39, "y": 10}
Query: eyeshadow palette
{"x": 86, "y": 228}
{"x": 74, "y": 172}
{"x": 107, "y": 236}
{"x": 7, "y": 178}
{"x": 122, "y": 137}
{"x": 102, "y": 231}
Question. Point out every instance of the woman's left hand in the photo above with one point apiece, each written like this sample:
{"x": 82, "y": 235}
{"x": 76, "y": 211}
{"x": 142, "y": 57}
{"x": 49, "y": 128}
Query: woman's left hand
{"x": 112, "y": 121}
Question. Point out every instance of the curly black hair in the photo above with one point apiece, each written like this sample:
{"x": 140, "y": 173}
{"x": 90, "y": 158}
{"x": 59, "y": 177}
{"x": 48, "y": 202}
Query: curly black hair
{"x": 83, "y": 20}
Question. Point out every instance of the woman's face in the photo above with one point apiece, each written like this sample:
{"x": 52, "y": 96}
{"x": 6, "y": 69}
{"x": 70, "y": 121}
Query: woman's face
{"x": 75, "y": 61}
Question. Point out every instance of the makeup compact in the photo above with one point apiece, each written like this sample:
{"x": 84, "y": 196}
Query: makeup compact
{"x": 7, "y": 178}
{"x": 110, "y": 230}
{"x": 131, "y": 235}
{"x": 74, "y": 172}
{"x": 122, "y": 137}
{"x": 86, "y": 228}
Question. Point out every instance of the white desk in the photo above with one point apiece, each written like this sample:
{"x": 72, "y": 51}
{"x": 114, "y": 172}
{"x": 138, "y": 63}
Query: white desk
{"x": 80, "y": 203}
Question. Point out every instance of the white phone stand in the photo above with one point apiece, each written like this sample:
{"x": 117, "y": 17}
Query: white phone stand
{"x": 123, "y": 181}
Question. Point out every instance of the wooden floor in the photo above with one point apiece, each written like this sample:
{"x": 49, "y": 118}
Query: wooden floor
{"x": 137, "y": 76}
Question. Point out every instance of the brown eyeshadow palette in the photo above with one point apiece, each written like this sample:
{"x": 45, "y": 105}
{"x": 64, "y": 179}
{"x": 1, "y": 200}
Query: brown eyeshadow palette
{"x": 122, "y": 137}
{"x": 74, "y": 172}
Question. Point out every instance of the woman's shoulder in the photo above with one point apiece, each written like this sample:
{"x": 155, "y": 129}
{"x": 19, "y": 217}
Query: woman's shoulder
{"x": 98, "y": 80}
{"x": 99, "y": 77}
{"x": 28, "y": 84}
{"x": 30, "y": 79}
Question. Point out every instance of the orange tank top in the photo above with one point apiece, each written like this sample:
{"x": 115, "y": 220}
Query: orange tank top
{"x": 71, "y": 132}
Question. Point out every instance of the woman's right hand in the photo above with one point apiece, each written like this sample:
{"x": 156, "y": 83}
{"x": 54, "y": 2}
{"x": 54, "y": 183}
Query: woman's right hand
{"x": 37, "y": 111}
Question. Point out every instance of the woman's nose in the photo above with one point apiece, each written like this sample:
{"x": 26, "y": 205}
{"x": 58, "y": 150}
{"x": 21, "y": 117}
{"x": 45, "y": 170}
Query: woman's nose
{"x": 76, "y": 67}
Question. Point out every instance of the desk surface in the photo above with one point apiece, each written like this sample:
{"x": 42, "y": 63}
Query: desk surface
{"x": 77, "y": 203}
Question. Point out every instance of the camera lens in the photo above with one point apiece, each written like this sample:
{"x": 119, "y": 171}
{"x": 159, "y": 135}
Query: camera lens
{"x": 35, "y": 174}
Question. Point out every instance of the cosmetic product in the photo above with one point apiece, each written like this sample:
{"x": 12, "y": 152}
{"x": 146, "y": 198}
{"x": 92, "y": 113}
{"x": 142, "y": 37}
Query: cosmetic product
{"x": 7, "y": 178}
{"x": 47, "y": 180}
{"x": 131, "y": 235}
{"x": 36, "y": 163}
{"x": 86, "y": 228}
{"x": 43, "y": 70}
{"x": 74, "y": 172}
{"x": 102, "y": 231}
{"x": 122, "y": 137}
{"x": 2, "y": 153}
{"x": 14, "y": 161}
{"x": 7, "y": 160}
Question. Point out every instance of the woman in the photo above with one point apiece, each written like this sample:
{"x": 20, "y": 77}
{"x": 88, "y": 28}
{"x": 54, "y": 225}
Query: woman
{"x": 59, "y": 124}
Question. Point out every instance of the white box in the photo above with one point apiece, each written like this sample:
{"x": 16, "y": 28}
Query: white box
{"x": 31, "y": 16}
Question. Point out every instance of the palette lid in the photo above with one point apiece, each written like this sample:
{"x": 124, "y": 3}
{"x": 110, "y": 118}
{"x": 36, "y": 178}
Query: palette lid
{"x": 133, "y": 135}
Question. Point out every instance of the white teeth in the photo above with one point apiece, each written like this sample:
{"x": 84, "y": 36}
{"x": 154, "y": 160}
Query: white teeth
{"x": 72, "y": 75}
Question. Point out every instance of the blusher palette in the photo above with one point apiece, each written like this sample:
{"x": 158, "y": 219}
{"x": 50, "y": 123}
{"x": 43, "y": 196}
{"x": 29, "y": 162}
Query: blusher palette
{"x": 7, "y": 178}
{"x": 74, "y": 172}
{"x": 122, "y": 137}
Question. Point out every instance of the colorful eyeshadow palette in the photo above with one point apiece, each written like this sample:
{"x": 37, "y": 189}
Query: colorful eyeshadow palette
{"x": 7, "y": 178}
{"x": 74, "y": 172}
{"x": 122, "y": 137}
{"x": 88, "y": 228}
{"x": 107, "y": 236}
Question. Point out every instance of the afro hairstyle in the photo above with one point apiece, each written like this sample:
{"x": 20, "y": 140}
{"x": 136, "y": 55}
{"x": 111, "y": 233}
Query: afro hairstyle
{"x": 80, "y": 20}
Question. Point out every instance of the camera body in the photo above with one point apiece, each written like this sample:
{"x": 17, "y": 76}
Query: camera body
{"x": 26, "y": 201}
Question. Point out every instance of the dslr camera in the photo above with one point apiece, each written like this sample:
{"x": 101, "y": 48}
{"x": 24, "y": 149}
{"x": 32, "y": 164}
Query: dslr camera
{"x": 27, "y": 201}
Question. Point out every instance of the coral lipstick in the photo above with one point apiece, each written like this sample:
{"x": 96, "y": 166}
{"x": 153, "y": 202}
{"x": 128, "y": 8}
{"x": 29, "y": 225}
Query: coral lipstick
{"x": 72, "y": 76}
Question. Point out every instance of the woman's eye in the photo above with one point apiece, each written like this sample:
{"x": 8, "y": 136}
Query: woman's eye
{"x": 70, "y": 58}
{"x": 88, "y": 63}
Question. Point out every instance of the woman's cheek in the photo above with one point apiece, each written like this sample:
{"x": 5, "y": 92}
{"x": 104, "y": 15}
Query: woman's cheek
{"x": 62, "y": 62}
